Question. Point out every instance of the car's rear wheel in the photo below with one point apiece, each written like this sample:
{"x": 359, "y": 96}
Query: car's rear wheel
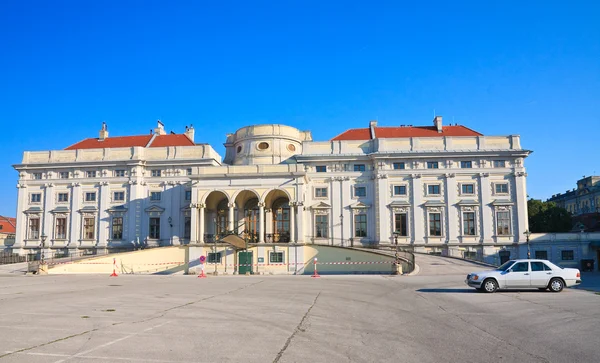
{"x": 490, "y": 285}
{"x": 556, "y": 285}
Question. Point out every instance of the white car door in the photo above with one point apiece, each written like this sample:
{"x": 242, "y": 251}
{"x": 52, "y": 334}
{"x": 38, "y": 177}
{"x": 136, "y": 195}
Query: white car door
{"x": 518, "y": 276}
{"x": 540, "y": 274}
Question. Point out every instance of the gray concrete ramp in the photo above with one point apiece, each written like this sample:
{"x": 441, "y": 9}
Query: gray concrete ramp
{"x": 436, "y": 265}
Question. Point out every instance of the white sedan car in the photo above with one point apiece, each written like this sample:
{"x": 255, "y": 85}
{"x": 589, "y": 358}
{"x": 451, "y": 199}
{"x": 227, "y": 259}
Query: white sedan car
{"x": 525, "y": 274}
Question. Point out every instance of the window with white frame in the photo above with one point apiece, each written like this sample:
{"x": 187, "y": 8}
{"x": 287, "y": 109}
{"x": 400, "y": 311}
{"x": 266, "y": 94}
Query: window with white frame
{"x": 34, "y": 228}
{"x": 62, "y": 197}
{"x": 156, "y": 172}
{"x": 322, "y": 226}
{"x": 36, "y": 176}
{"x": 117, "y": 228}
{"x": 321, "y": 192}
{"x": 469, "y": 227}
{"x": 119, "y": 173}
{"x": 435, "y": 224}
{"x": 467, "y": 189}
{"x": 90, "y": 174}
{"x": 118, "y": 196}
{"x": 501, "y": 188}
{"x": 188, "y": 195}
{"x": 154, "y": 228}
{"x": 400, "y": 224}
{"x": 155, "y": 196}
{"x": 433, "y": 165}
{"x": 503, "y": 223}
{"x": 188, "y": 171}
{"x": 433, "y": 189}
{"x": 35, "y": 197}
{"x": 60, "y": 230}
{"x": 360, "y": 225}
{"x": 321, "y": 168}
{"x": 89, "y": 228}
{"x": 466, "y": 164}
{"x": 499, "y": 163}
{"x": 399, "y": 189}
{"x": 360, "y": 191}
{"x": 90, "y": 196}
{"x": 63, "y": 175}
{"x": 275, "y": 257}
{"x": 399, "y": 166}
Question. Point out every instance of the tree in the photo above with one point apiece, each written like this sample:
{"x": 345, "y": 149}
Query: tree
{"x": 547, "y": 217}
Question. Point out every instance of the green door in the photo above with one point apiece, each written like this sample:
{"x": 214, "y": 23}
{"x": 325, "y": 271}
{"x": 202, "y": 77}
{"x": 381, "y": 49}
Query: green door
{"x": 245, "y": 260}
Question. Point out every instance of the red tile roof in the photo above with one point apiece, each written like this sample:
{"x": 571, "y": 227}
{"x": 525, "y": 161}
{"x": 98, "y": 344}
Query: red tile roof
{"x": 407, "y": 131}
{"x": 8, "y": 225}
{"x": 133, "y": 141}
{"x": 111, "y": 142}
{"x": 171, "y": 140}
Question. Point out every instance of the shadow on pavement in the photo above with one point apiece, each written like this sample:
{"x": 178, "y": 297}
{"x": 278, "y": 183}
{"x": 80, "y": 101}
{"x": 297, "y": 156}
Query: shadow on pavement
{"x": 464, "y": 291}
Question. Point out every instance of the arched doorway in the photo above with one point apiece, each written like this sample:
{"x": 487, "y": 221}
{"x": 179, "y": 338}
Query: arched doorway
{"x": 281, "y": 220}
{"x": 252, "y": 219}
{"x": 215, "y": 218}
{"x": 222, "y": 221}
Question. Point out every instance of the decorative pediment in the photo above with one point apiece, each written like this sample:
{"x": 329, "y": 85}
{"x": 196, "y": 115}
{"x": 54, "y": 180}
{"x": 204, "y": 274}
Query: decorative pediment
{"x": 154, "y": 210}
{"x": 33, "y": 210}
{"x": 434, "y": 203}
{"x": 88, "y": 209}
{"x": 502, "y": 202}
{"x": 321, "y": 205}
{"x": 360, "y": 205}
{"x": 399, "y": 203}
{"x": 468, "y": 202}
{"x": 60, "y": 209}
{"x": 118, "y": 209}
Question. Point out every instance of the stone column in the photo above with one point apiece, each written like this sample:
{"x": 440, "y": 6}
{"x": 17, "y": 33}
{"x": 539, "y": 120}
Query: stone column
{"x": 521, "y": 206}
{"x": 486, "y": 213}
{"x": 300, "y": 223}
{"x": 383, "y": 230}
{"x": 418, "y": 217}
{"x": 453, "y": 225}
{"x": 47, "y": 219}
{"x": 21, "y": 218}
{"x": 103, "y": 216}
{"x": 231, "y": 216}
{"x": 75, "y": 222}
{"x": 201, "y": 208}
{"x": 293, "y": 222}
{"x": 261, "y": 222}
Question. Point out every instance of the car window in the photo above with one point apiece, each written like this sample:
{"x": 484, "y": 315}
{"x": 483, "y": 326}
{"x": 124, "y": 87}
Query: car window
{"x": 537, "y": 266}
{"x": 521, "y": 267}
{"x": 546, "y": 267}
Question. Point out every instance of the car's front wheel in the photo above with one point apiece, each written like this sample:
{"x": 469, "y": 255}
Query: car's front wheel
{"x": 556, "y": 285}
{"x": 490, "y": 285}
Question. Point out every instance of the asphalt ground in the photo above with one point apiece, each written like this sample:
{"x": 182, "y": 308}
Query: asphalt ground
{"x": 430, "y": 317}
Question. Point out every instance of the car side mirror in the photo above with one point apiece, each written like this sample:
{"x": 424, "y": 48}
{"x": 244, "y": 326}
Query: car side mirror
{"x": 509, "y": 270}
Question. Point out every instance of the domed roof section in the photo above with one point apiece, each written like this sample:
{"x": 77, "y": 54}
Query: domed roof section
{"x": 264, "y": 144}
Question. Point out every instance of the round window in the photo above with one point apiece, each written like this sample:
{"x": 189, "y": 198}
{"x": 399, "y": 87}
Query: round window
{"x": 291, "y": 147}
{"x": 263, "y": 146}
{"x": 239, "y": 149}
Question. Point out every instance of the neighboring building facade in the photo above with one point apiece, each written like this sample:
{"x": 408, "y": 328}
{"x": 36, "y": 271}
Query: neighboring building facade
{"x": 583, "y": 203}
{"x": 584, "y": 199}
{"x": 428, "y": 188}
{"x": 7, "y": 232}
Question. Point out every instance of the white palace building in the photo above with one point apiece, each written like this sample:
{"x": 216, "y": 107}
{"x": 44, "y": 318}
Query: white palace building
{"x": 428, "y": 188}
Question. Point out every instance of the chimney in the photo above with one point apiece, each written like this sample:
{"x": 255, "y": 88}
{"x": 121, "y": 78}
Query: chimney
{"x": 103, "y": 132}
{"x": 437, "y": 121}
{"x": 160, "y": 128}
{"x": 189, "y": 132}
{"x": 372, "y": 126}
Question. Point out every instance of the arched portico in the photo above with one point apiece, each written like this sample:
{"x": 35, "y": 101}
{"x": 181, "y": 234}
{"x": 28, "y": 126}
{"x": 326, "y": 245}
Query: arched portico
{"x": 281, "y": 215}
{"x": 250, "y": 213}
{"x": 216, "y": 216}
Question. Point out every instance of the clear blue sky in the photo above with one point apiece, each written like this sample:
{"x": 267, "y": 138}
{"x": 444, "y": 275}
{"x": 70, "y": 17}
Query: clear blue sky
{"x": 507, "y": 68}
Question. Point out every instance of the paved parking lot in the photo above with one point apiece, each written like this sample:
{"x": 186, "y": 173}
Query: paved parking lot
{"x": 431, "y": 317}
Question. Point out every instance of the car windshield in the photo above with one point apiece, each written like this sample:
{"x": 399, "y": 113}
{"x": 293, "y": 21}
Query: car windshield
{"x": 505, "y": 265}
